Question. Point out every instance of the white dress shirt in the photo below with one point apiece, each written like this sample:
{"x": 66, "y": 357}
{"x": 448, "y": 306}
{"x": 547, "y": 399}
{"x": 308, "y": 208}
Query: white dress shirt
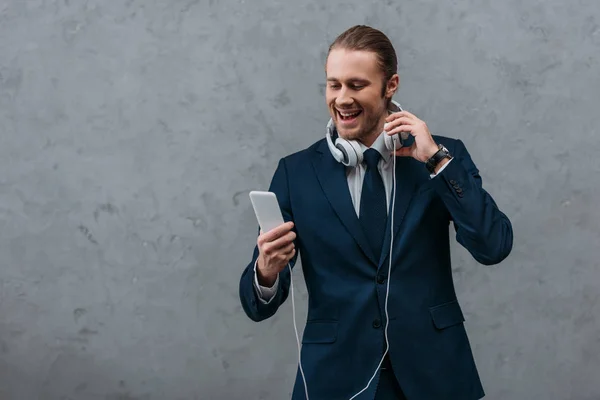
{"x": 355, "y": 176}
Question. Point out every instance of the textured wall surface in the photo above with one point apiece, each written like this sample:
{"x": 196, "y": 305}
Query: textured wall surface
{"x": 131, "y": 133}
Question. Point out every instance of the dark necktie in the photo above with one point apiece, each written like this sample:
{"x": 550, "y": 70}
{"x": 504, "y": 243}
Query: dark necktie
{"x": 373, "y": 210}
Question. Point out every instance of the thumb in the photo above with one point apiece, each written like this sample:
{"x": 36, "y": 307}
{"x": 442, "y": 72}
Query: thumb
{"x": 405, "y": 151}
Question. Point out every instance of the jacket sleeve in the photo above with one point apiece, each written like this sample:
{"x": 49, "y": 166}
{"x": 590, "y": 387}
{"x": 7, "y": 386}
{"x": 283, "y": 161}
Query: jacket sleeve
{"x": 480, "y": 226}
{"x": 254, "y": 308}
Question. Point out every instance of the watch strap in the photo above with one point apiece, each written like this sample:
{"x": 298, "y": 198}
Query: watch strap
{"x": 437, "y": 158}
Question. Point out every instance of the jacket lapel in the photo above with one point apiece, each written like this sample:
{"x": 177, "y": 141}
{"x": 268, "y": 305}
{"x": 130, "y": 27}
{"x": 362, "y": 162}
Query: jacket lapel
{"x": 332, "y": 177}
{"x": 406, "y": 184}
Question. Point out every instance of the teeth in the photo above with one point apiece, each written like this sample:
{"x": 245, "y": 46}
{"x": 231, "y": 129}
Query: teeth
{"x": 345, "y": 115}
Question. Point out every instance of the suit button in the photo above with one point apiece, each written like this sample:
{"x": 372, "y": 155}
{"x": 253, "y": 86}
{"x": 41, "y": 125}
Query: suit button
{"x": 452, "y": 182}
{"x": 376, "y": 323}
{"x": 380, "y": 279}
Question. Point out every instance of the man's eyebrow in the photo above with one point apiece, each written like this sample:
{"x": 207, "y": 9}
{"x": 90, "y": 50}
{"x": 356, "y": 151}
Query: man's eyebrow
{"x": 360, "y": 80}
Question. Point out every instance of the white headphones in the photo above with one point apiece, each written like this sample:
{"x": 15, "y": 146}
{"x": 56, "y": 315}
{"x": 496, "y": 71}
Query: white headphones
{"x": 349, "y": 153}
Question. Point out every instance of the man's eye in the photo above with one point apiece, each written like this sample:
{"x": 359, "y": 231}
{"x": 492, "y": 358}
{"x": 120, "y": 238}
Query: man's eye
{"x": 336, "y": 86}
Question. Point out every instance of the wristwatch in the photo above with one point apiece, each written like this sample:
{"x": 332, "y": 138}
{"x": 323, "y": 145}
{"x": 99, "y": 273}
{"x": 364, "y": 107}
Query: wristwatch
{"x": 437, "y": 158}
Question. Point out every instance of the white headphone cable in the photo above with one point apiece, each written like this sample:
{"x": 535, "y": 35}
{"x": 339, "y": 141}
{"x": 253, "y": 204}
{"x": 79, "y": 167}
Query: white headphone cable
{"x": 387, "y": 319}
{"x": 296, "y": 330}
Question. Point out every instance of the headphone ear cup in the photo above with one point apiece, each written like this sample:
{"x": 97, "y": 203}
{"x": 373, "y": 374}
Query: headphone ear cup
{"x": 395, "y": 142}
{"x": 336, "y": 152}
{"x": 351, "y": 150}
{"x": 389, "y": 142}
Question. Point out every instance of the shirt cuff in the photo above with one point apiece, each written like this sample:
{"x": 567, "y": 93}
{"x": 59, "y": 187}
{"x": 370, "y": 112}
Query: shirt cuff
{"x": 265, "y": 294}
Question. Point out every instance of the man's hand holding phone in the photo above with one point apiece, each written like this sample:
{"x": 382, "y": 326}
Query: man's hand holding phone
{"x": 423, "y": 147}
{"x": 276, "y": 249}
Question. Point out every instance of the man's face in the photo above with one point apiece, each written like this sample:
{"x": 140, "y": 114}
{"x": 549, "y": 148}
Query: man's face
{"x": 354, "y": 94}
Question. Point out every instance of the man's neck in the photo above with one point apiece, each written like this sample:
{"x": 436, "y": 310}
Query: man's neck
{"x": 370, "y": 139}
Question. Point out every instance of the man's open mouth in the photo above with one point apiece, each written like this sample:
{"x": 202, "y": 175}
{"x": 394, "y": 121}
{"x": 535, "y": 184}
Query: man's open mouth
{"x": 348, "y": 115}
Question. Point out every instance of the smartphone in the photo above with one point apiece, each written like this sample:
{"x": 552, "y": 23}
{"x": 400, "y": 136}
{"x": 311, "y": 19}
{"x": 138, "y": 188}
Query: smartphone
{"x": 266, "y": 208}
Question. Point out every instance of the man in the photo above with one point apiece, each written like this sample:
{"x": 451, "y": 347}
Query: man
{"x": 339, "y": 218}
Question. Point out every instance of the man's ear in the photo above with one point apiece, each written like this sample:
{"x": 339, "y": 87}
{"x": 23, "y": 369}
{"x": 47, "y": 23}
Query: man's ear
{"x": 392, "y": 86}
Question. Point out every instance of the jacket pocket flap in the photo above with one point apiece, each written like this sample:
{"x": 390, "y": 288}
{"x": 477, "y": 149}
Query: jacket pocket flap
{"x": 320, "y": 332}
{"x": 447, "y": 314}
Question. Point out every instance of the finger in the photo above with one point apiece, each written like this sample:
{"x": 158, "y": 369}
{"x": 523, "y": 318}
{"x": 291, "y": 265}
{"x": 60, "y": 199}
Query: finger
{"x": 290, "y": 255}
{"x": 286, "y": 252}
{"x": 400, "y": 114}
{"x": 274, "y": 248}
{"x": 283, "y": 250}
{"x": 277, "y": 232}
{"x": 409, "y": 114}
{"x": 284, "y": 257}
{"x": 397, "y": 122}
{"x": 280, "y": 243}
{"x": 402, "y": 128}
{"x": 286, "y": 239}
{"x": 393, "y": 116}
{"x": 405, "y": 151}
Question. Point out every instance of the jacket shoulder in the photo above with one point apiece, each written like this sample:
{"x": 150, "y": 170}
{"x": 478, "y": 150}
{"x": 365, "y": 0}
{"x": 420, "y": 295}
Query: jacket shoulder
{"x": 303, "y": 155}
{"x": 445, "y": 140}
{"x": 452, "y": 144}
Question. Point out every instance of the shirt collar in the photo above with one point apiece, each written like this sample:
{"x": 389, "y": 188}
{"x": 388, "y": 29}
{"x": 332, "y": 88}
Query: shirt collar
{"x": 379, "y": 145}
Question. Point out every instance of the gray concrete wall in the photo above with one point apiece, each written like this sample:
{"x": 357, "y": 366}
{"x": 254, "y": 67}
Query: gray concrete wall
{"x": 131, "y": 133}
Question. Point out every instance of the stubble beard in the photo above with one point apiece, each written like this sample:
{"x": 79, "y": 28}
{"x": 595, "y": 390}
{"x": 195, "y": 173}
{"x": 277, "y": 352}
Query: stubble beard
{"x": 370, "y": 131}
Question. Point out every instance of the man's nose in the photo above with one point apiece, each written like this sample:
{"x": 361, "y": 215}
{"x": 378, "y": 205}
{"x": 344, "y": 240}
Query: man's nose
{"x": 344, "y": 99}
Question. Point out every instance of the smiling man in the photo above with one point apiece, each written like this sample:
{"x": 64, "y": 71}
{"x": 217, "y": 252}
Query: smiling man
{"x": 383, "y": 318}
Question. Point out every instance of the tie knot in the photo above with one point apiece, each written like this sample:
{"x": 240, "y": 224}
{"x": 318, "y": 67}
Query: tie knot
{"x": 371, "y": 157}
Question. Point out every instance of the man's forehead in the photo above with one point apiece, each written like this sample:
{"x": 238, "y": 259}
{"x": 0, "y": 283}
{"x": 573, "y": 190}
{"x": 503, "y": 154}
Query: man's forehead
{"x": 352, "y": 56}
{"x": 345, "y": 64}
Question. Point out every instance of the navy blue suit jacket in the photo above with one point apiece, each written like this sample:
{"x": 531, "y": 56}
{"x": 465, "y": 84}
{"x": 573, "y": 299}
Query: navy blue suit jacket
{"x": 343, "y": 339}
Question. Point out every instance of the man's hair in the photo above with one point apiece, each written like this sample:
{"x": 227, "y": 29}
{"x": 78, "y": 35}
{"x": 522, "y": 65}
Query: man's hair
{"x": 365, "y": 38}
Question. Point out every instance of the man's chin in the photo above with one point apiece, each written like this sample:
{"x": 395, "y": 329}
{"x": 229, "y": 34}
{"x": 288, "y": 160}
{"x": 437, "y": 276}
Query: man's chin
{"x": 349, "y": 134}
